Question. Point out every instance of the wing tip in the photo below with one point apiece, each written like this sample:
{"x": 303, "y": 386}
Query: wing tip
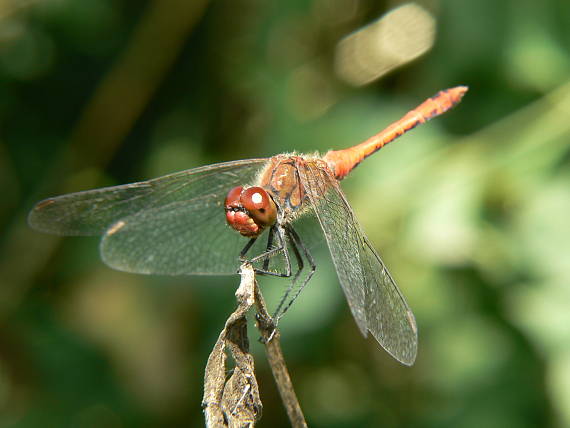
{"x": 409, "y": 362}
{"x": 405, "y": 350}
{"x": 407, "y": 358}
{"x": 34, "y": 216}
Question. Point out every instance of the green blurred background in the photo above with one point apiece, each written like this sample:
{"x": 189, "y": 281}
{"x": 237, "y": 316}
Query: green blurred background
{"x": 470, "y": 212}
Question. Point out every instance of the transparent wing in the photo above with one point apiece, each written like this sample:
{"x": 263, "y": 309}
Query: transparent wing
{"x": 374, "y": 298}
{"x": 169, "y": 225}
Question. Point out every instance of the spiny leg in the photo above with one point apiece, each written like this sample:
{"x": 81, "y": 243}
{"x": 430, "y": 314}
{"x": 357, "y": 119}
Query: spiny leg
{"x": 297, "y": 256}
{"x": 246, "y": 249}
{"x": 296, "y": 243}
{"x": 269, "y": 244}
{"x": 291, "y": 286}
{"x": 269, "y": 252}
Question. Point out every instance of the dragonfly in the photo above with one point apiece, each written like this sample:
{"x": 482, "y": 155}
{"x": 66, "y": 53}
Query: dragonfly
{"x": 195, "y": 222}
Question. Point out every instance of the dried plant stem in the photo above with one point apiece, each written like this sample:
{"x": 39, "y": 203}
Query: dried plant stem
{"x": 235, "y": 401}
{"x": 271, "y": 338}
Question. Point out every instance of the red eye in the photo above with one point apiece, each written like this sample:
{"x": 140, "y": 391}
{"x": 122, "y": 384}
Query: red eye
{"x": 232, "y": 200}
{"x": 259, "y": 205}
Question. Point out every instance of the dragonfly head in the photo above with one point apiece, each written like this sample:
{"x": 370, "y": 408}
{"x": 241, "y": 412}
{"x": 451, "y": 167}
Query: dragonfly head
{"x": 250, "y": 211}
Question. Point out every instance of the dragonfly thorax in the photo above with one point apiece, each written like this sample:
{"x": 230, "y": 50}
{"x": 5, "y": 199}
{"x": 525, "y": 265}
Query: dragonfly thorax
{"x": 281, "y": 179}
{"x": 249, "y": 211}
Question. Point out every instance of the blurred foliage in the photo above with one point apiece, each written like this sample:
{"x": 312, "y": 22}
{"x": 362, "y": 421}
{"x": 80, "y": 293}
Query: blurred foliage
{"x": 470, "y": 211}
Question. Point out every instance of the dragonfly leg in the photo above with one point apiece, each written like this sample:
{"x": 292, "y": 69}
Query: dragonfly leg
{"x": 268, "y": 323}
{"x": 246, "y": 249}
{"x": 296, "y": 244}
{"x": 298, "y": 257}
{"x": 269, "y": 245}
{"x": 270, "y": 252}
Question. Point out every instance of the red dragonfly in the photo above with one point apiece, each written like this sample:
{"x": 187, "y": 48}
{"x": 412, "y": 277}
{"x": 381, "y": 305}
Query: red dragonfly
{"x": 175, "y": 225}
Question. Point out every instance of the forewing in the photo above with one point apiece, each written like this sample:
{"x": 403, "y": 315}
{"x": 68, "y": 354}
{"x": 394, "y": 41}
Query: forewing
{"x": 169, "y": 225}
{"x": 374, "y": 298}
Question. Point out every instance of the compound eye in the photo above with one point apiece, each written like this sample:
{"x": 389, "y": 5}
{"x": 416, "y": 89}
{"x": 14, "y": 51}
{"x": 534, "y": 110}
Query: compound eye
{"x": 233, "y": 198}
{"x": 259, "y": 205}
